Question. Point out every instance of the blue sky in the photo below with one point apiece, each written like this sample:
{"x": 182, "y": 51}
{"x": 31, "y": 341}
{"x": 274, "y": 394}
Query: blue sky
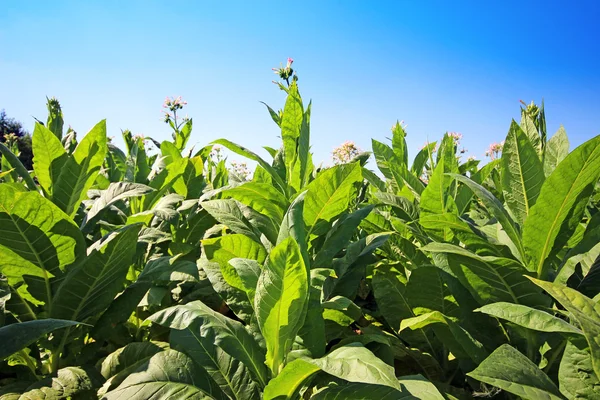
{"x": 439, "y": 66}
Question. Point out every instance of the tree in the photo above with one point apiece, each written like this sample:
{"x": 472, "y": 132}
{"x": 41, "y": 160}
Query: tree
{"x": 11, "y": 129}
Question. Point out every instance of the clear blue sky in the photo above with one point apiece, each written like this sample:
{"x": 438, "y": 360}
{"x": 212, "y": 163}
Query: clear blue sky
{"x": 439, "y": 66}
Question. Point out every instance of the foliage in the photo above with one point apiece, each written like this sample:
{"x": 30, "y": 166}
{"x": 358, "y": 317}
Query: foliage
{"x": 127, "y": 274}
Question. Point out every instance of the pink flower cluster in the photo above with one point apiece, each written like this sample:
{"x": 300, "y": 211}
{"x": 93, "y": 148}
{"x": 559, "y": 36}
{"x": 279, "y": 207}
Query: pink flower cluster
{"x": 456, "y": 136}
{"x": 345, "y": 153}
{"x": 285, "y": 72}
{"x": 494, "y": 150}
{"x": 241, "y": 169}
{"x": 173, "y": 103}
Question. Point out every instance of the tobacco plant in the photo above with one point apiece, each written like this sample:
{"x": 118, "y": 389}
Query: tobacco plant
{"x": 154, "y": 272}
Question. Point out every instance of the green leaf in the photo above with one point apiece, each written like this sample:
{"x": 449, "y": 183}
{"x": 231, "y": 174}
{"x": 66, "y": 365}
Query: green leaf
{"x": 229, "y": 214}
{"x": 339, "y": 236}
{"x": 16, "y": 164}
{"x": 584, "y": 310}
{"x": 384, "y": 157}
{"x": 421, "y": 158}
{"x": 460, "y": 342}
{"x": 510, "y": 370}
{"x": 329, "y": 195}
{"x": 249, "y": 272}
{"x": 254, "y": 157}
{"x": 362, "y": 391}
{"x": 490, "y": 279}
{"x": 353, "y": 363}
{"x": 218, "y": 344}
{"x": 168, "y": 374}
{"x": 69, "y": 383}
{"x": 121, "y": 363}
{"x": 49, "y": 157}
{"x": 17, "y": 336}
{"x": 262, "y": 197}
{"x": 556, "y": 150}
{"x": 576, "y": 376}
{"x": 528, "y": 317}
{"x": 91, "y": 286}
{"x": 496, "y": 209}
{"x": 522, "y": 173}
{"x": 37, "y": 240}
{"x": 223, "y": 276}
{"x": 420, "y": 387}
{"x": 116, "y": 191}
{"x": 281, "y": 300}
{"x": 80, "y": 170}
{"x": 556, "y": 205}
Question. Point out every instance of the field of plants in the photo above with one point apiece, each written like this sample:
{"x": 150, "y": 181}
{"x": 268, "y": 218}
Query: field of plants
{"x": 137, "y": 274}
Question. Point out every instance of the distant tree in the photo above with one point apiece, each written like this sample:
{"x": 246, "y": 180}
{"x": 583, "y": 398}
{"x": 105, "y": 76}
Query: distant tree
{"x": 11, "y": 129}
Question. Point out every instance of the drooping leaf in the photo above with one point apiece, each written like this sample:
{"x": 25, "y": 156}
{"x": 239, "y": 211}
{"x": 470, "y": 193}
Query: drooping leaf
{"x": 528, "y": 317}
{"x": 218, "y": 344}
{"x": 490, "y": 279}
{"x": 586, "y": 312}
{"x": 553, "y": 216}
{"x": 37, "y": 240}
{"x": 281, "y": 301}
{"x": 510, "y": 370}
{"x": 262, "y": 197}
{"x": 353, "y": 363}
{"x": 115, "y": 192}
{"x": 69, "y": 383}
{"x": 17, "y": 336}
{"x": 167, "y": 374}
{"x": 91, "y": 286}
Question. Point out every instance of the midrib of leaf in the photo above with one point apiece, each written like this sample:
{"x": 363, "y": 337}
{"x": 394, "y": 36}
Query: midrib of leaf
{"x": 37, "y": 256}
{"x": 540, "y": 265}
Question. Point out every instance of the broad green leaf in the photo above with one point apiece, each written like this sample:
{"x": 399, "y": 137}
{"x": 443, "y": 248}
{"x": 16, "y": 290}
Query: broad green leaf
{"x": 353, "y": 363}
{"x": 496, "y": 209}
{"x": 163, "y": 182}
{"x": 69, "y": 383}
{"x": 249, "y": 272}
{"x": 115, "y": 192}
{"x": 183, "y": 135}
{"x": 229, "y": 214}
{"x": 219, "y": 344}
{"x": 168, "y": 374}
{"x": 293, "y": 223}
{"x": 460, "y": 342}
{"x": 18, "y": 167}
{"x": 490, "y": 279}
{"x": 91, "y": 286}
{"x": 17, "y": 336}
{"x": 121, "y": 363}
{"x": 281, "y": 300}
{"x": 339, "y": 236}
{"x": 49, "y": 157}
{"x": 510, "y": 370}
{"x": 37, "y": 240}
{"x": 80, "y": 170}
{"x": 567, "y": 186}
{"x": 329, "y": 195}
{"x": 362, "y": 391}
{"x": 528, "y": 126}
{"x": 522, "y": 173}
{"x": 384, "y": 157}
{"x": 528, "y": 317}
{"x": 262, "y": 197}
{"x": 223, "y": 276}
{"x": 421, "y": 158}
{"x": 584, "y": 310}
{"x": 420, "y": 387}
{"x": 576, "y": 376}
{"x": 254, "y": 157}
